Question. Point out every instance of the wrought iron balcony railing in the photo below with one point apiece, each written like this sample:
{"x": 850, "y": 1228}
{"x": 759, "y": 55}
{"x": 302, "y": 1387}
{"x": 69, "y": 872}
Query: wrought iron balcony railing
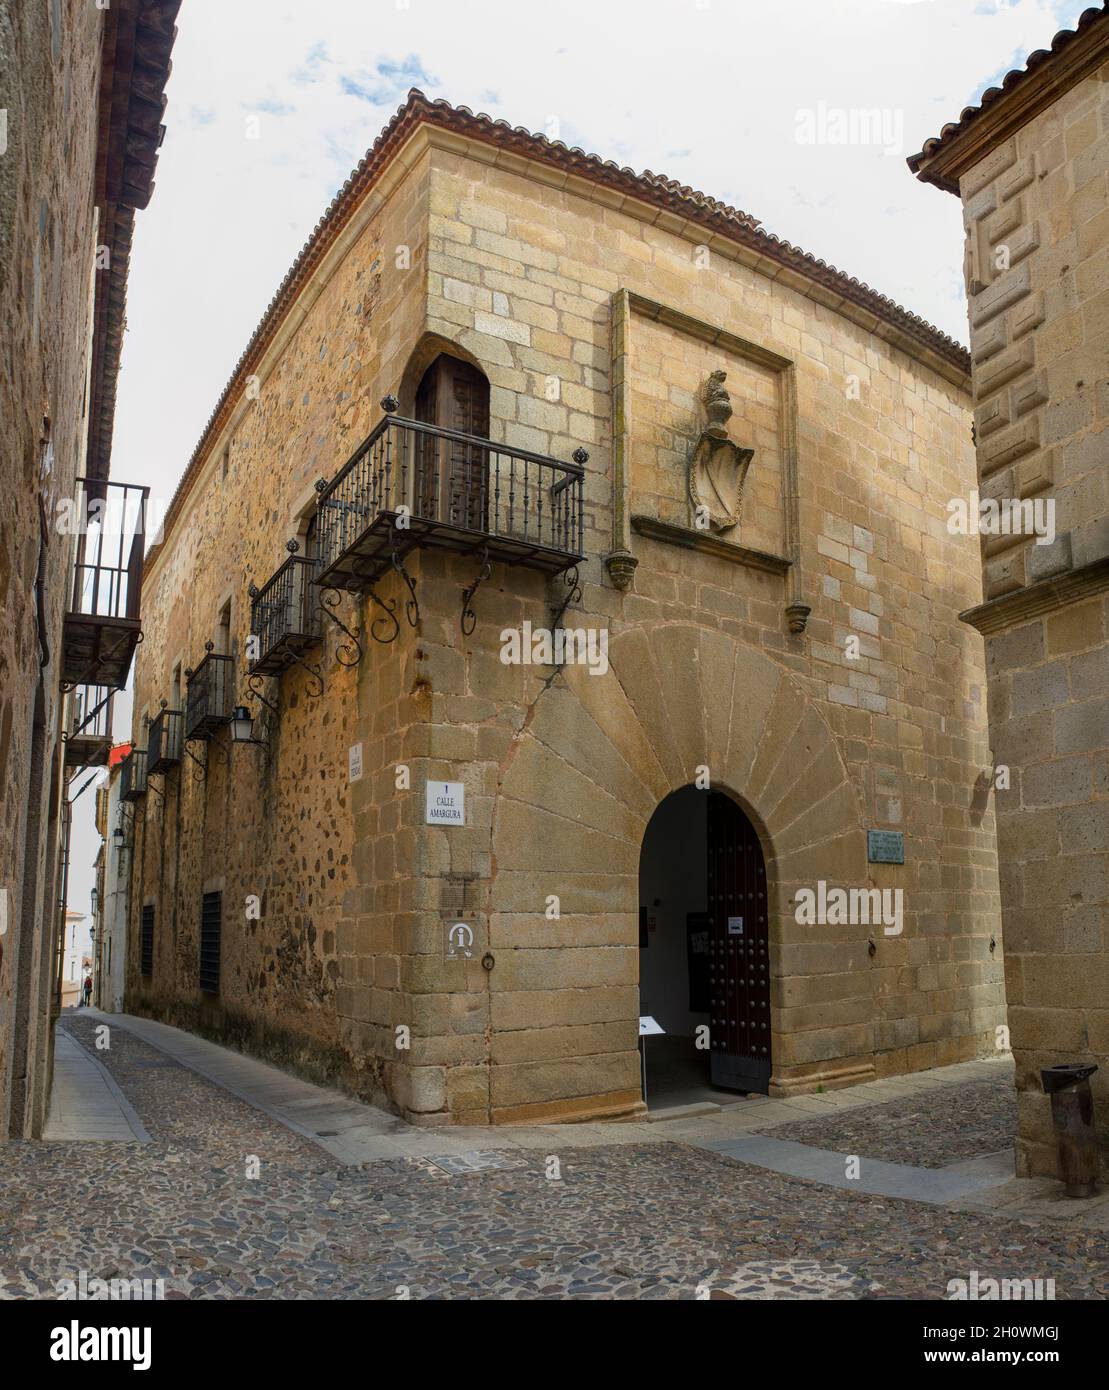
{"x": 101, "y": 627}
{"x": 285, "y": 615}
{"x": 88, "y": 738}
{"x": 412, "y": 484}
{"x": 132, "y": 775}
{"x": 166, "y": 737}
{"x": 208, "y": 699}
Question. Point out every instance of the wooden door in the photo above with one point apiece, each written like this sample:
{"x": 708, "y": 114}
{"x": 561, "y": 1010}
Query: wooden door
{"x": 739, "y": 972}
{"x": 452, "y": 477}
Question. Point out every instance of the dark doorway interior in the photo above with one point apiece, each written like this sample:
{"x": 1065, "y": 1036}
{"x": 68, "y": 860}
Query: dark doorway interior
{"x": 703, "y": 962}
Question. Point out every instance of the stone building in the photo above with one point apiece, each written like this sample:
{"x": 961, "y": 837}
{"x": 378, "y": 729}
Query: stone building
{"x": 81, "y": 98}
{"x": 112, "y": 883}
{"x": 509, "y": 391}
{"x": 1031, "y": 166}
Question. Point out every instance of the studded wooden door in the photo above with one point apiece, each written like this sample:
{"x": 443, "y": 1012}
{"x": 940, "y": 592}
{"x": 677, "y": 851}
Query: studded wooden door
{"x": 740, "y": 963}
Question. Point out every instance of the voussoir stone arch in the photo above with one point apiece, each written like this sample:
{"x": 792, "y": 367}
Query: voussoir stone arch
{"x": 594, "y": 759}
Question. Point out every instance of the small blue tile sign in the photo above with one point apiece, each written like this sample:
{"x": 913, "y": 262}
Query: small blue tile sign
{"x": 885, "y": 846}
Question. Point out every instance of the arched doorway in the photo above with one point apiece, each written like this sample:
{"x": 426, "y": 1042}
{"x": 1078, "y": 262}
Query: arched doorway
{"x": 704, "y": 960}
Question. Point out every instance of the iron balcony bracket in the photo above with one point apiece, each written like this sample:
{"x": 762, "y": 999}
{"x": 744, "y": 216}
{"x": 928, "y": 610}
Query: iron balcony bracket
{"x": 388, "y": 606}
{"x": 573, "y": 595}
{"x": 468, "y": 618}
{"x": 313, "y": 671}
{"x": 253, "y": 693}
{"x": 150, "y": 787}
{"x": 188, "y": 752}
{"x": 329, "y": 601}
{"x": 412, "y": 604}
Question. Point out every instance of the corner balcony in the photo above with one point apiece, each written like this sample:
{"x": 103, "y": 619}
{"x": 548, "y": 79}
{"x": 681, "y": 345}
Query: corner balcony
{"x": 411, "y": 484}
{"x": 164, "y": 745}
{"x": 132, "y": 775}
{"x": 285, "y": 618}
{"x": 101, "y": 628}
{"x": 208, "y": 698}
{"x": 88, "y": 737}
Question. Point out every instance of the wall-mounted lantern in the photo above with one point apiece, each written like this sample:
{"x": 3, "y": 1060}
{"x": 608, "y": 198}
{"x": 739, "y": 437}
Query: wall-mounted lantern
{"x": 242, "y": 726}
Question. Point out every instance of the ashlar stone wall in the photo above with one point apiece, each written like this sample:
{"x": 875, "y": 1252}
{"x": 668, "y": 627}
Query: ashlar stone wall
{"x": 1037, "y": 216}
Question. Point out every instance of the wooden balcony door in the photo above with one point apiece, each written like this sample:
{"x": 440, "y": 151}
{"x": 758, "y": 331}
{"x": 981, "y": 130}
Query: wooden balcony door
{"x": 452, "y": 478}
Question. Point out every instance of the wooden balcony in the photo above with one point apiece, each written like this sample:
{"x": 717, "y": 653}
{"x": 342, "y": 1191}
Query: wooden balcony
{"x": 208, "y": 698}
{"x": 101, "y": 628}
{"x": 411, "y": 484}
{"x": 132, "y": 775}
{"x": 166, "y": 737}
{"x": 88, "y": 736}
{"x": 285, "y": 615}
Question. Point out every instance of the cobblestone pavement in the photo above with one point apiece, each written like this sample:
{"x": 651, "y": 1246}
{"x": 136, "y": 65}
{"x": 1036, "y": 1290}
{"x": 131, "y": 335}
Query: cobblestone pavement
{"x": 650, "y": 1221}
{"x": 929, "y": 1130}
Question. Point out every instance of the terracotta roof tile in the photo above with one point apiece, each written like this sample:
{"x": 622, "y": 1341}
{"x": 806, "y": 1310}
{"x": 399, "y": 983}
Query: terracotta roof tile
{"x": 1009, "y": 83}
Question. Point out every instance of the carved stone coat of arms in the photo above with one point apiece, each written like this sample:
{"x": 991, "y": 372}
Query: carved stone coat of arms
{"x": 717, "y": 466}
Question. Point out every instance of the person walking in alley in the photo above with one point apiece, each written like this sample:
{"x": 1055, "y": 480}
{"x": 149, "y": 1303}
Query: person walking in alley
{"x": 87, "y": 990}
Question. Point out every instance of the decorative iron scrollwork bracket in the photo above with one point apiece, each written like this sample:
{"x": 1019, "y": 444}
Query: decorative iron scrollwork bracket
{"x": 315, "y": 673}
{"x": 150, "y": 787}
{"x": 329, "y": 601}
{"x": 253, "y": 693}
{"x": 558, "y": 612}
{"x": 412, "y": 603}
{"x": 468, "y": 619}
{"x": 388, "y": 606}
{"x": 573, "y": 595}
{"x": 188, "y": 752}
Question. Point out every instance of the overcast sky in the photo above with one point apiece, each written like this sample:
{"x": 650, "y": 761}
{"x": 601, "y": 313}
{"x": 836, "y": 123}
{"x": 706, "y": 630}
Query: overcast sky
{"x": 723, "y": 95}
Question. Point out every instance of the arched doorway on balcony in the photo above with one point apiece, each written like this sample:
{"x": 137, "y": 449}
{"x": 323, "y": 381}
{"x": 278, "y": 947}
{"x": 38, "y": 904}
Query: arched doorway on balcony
{"x": 452, "y": 477}
{"x": 704, "y": 967}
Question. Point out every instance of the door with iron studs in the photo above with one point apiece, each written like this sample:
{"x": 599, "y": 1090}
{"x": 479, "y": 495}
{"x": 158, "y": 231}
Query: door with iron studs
{"x": 739, "y": 967}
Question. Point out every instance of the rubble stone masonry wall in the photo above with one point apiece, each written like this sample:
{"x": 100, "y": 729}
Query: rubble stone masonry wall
{"x": 49, "y": 73}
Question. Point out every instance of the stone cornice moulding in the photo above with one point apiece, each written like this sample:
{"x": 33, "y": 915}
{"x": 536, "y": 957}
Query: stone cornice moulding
{"x": 673, "y": 534}
{"x": 1048, "y": 596}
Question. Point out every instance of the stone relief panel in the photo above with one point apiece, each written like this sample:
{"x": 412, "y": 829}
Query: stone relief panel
{"x": 706, "y": 431}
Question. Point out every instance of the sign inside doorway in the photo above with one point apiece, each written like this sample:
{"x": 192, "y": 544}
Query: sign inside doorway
{"x": 648, "y": 1027}
{"x": 699, "y": 959}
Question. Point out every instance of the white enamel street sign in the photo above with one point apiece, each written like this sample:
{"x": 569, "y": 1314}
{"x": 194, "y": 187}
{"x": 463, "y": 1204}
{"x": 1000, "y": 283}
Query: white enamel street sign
{"x": 446, "y": 803}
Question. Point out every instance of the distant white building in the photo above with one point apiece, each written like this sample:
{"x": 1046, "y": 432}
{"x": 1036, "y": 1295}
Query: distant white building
{"x": 113, "y": 863}
{"x": 76, "y": 956}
